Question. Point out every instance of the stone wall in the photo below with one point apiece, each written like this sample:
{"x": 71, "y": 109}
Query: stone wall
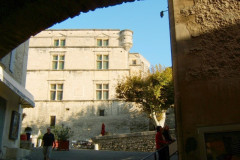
{"x": 79, "y": 107}
{"x": 139, "y": 141}
{"x": 84, "y": 119}
{"x": 170, "y": 118}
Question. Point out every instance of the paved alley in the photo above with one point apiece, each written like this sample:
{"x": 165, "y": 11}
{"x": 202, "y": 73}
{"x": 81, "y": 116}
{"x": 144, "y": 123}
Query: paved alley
{"x": 90, "y": 155}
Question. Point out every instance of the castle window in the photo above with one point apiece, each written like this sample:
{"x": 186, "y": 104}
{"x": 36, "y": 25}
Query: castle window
{"x": 58, "y": 62}
{"x": 56, "y": 42}
{"x": 101, "y": 112}
{"x": 102, "y": 91}
{"x": 63, "y": 41}
{"x": 102, "y": 42}
{"x": 52, "y": 121}
{"x": 102, "y": 61}
{"x": 59, "y": 42}
{"x": 134, "y": 62}
{"x": 56, "y": 92}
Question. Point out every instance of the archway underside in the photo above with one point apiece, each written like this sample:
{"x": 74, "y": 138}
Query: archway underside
{"x": 21, "y": 19}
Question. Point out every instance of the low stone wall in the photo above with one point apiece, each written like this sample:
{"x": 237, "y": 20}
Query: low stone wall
{"x": 17, "y": 153}
{"x": 139, "y": 141}
{"x": 26, "y": 145}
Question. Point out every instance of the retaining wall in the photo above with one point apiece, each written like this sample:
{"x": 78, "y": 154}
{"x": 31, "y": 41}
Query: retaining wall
{"x": 139, "y": 141}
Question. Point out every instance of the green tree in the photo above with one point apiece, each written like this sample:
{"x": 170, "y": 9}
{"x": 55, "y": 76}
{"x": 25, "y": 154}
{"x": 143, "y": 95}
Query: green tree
{"x": 153, "y": 91}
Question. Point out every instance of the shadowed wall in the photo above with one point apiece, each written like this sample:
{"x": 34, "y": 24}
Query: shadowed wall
{"x": 206, "y": 61}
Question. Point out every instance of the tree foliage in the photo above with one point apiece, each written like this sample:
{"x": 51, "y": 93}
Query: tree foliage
{"x": 153, "y": 91}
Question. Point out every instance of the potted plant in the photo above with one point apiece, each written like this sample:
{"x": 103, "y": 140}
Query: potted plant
{"x": 28, "y": 131}
{"x": 62, "y": 134}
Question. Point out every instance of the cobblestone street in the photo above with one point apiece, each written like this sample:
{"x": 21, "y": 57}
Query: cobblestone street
{"x": 91, "y": 155}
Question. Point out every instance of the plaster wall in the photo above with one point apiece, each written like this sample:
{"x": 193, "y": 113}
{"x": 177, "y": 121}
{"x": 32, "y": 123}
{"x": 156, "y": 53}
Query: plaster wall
{"x": 205, "y": 50}
{"x": 12, "y": 104}
{"x": 19, "y": 61}
{"x": 17, "y": 73}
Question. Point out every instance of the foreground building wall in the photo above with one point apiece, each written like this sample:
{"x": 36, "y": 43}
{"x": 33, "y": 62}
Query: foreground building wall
{"x": 13, "y": 98}
{"x": 73, "y": 75}
{"x": 205, "y": 50}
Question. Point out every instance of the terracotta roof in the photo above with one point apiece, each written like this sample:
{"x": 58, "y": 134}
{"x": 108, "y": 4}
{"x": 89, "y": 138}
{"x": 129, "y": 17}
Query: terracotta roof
{"x": 20, "y": 19}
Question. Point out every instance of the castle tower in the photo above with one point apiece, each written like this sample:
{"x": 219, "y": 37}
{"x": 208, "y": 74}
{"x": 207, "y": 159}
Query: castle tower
{"x": 126, "y": 39}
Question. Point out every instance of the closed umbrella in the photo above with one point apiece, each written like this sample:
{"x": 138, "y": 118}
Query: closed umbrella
{"x": 103, "y": 129}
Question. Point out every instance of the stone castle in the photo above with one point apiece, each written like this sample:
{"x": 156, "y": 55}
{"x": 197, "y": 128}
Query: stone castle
{"x": 73, "y": 74}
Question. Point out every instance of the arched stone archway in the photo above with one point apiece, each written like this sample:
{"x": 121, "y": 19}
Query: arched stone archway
{"x": 21, "y": 19}
{"x": 205, "y": 36}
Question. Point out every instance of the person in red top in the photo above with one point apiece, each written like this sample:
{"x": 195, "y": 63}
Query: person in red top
{"x": 159, "y": 138}
{"x": 160, "y": 142}
{"x": 166, "y": 134}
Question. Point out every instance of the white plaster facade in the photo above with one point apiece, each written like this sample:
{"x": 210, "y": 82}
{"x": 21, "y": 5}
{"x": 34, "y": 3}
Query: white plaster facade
{"x": 13, "y": 98}
{"x": 80, "y": 107}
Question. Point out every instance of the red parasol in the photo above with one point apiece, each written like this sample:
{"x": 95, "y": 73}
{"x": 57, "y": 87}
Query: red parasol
{"x": 103, "y": 129}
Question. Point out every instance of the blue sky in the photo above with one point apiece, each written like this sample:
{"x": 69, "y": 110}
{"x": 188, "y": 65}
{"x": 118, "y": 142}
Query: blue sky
{"x": 151, "y": 36}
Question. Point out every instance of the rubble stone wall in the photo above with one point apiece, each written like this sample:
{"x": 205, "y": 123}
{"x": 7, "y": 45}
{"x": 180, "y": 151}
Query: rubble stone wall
{"x": 139, "y": 141}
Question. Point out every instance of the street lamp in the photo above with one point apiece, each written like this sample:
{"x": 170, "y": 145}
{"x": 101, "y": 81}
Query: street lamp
{"x": 161, "y": 13}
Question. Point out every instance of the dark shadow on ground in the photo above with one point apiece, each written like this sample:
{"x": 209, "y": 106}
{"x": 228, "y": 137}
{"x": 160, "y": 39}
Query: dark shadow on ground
{"x": 88, "y": 155}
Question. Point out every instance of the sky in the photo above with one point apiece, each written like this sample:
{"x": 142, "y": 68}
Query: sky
{"x": 151, "y": 37}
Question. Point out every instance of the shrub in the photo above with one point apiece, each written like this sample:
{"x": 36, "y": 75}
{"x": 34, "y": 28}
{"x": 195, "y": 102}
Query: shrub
{"x": 62, "y": 132}
{"x": 28, "y": 129}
